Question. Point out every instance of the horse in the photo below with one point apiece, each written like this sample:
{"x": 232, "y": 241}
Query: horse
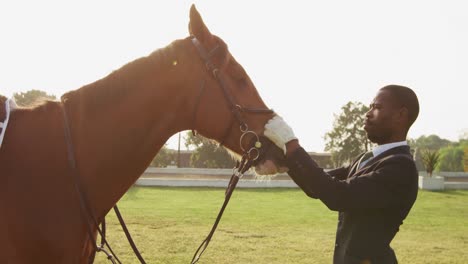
{"x": 116, "y": 126}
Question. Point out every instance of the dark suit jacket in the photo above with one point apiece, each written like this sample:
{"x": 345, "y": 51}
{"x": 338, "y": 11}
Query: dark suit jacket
{"x": 372, "y": 201}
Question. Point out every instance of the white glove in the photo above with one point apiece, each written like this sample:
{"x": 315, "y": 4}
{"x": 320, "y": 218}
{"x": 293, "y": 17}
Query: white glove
{"x": 279, "y": 132}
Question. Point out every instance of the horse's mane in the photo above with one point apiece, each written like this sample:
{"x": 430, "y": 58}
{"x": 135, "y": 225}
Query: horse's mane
{"x": 115, "y": 86}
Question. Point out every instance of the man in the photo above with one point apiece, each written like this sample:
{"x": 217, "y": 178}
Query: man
{"x": 373, "y": 195}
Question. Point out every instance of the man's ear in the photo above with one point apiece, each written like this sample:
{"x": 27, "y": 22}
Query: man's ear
{"x": 196, "y": 26}
{"x": 403, "y": 116}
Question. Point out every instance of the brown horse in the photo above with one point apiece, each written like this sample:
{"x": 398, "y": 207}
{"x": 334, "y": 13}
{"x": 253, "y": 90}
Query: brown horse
{"x": 117, "y": 126}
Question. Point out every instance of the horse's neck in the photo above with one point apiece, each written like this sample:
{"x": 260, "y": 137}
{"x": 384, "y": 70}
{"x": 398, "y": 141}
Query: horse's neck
{"x": 120, "y": 124}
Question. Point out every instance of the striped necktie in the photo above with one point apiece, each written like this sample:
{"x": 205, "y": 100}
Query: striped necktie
{"x": 365, "y": 158}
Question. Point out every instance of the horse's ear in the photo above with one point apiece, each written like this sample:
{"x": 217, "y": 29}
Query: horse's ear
{"x": 196, "y": 26}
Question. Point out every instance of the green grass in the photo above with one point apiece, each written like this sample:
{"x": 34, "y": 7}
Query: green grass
{"x": 273, "y": 226}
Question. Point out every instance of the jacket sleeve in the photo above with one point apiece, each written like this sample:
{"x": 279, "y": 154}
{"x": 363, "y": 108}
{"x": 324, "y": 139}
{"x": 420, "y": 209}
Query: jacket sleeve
{"x": 385, "y": 186}
{"x": 339, "y": 173}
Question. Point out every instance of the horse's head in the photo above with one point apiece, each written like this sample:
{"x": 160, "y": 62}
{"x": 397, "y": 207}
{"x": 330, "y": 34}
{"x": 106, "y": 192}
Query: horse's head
{"x": 228, "y": 107}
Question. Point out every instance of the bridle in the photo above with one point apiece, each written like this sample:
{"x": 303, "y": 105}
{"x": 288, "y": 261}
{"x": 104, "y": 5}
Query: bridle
{"x": 249, "y": 156}
{"x": 235, "y": 108}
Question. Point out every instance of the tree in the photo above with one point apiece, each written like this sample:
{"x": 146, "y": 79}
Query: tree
{"x": 164, "y": 158}
{"x": 464, "y": 135}
{"x": 451, "y": 159}
{"x": 431, "y": 142}
{"x": 465, "y": 159}
{"x": 32, "y": 97}
{"x": 464, "y": 146}
{"x": 207, "y": 153}
{"x": 348, "y": 139}
{"x": 430, "y": 159}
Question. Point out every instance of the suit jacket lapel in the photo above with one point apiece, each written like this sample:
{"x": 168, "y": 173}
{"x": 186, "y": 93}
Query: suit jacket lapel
{"x": 355, "y": 164}
{"x": 392, "y": 151}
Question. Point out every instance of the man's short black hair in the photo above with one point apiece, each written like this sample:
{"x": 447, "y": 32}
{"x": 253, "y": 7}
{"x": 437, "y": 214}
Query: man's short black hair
{"x": 405, "y": 97}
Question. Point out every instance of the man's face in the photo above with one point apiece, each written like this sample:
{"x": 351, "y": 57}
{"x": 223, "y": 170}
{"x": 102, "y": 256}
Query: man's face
{"x": 380, "y": 122}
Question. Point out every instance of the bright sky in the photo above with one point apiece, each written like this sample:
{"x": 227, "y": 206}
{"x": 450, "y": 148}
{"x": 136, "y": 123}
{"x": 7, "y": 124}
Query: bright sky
{"x": 307, "y": 58}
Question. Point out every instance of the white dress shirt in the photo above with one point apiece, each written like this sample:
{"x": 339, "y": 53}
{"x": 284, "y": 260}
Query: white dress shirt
{"x": 381, "y": 149}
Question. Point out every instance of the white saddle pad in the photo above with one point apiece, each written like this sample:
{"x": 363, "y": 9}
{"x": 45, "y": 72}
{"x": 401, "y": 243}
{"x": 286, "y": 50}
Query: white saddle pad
{"x": 10, "y": 105}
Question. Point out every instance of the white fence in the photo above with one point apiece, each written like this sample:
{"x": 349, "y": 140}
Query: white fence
{"x": 197, "y": 177}
{"x": 455, "y": 180}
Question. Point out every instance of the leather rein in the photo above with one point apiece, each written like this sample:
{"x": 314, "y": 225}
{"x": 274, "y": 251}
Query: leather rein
{"x": 249, "y": 156}
{"x": 86, "y": 211}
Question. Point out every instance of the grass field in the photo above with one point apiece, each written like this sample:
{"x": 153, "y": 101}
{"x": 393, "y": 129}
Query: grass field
{"x": 273, "y": 226}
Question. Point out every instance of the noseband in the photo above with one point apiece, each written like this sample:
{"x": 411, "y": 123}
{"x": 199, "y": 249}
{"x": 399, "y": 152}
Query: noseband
{"x": 249, "y": 155}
